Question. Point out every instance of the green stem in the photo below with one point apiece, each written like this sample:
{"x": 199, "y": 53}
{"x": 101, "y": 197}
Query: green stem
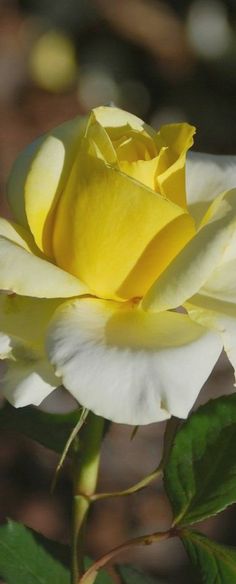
{"x": 131, "y": 490}
{"x": 85, "y": 472}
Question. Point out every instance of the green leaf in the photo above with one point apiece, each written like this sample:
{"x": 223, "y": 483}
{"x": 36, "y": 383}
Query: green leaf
{"x": 27, "y": 557}
{"x": 50, "y": 430}
{"x": 130, "y": 575}
{"x": 215, "y": 563}
{"x": 200, "y": 473}
{"x": 25, "y": 561}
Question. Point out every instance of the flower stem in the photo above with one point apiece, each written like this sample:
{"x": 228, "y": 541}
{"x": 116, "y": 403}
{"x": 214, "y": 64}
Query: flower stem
{"x": 85, "y": 471}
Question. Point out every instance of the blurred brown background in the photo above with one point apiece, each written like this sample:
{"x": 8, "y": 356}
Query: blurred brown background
{"x": 165, "y": 62}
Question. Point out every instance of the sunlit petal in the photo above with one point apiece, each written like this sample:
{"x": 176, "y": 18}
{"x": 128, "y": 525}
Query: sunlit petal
{"x": 28, "y": 275}
{"x": 104, "y": 222}
{"x": 38, "y": 177}
{"x": 127, "y": 365}
{"x": 207, "y": 175}
{"x": 195, "y": 264}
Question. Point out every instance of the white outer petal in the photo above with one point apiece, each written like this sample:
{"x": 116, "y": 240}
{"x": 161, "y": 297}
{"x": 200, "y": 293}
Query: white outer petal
{"x": 222, "y": 283}
{"x": 5, "y": 346}
{"x": 26, "y": 383}
{"x": 207, "y": 175}
{"x": 122, "y": 379}
{"x": 218, "y": 316}
{"x": 28, "y": 377}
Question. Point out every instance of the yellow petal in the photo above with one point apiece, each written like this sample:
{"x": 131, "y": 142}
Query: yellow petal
{"x": 104, "y": 222}
{"x": 98, "y": 142}
{"x": 132, "y": 150}
{"x": 38, "y": 177}
{"x": 26, "y": 319}
{"x": 16, "y": 181}
{"x": 29, "y": 275}
{"x": 195, "y": 264}
{"x": 18, "y": 234}
{"x": 157, "y": 256}
{"x": 142, "y": 170}
{"x": 173, "y": 142}
{"x": 133, "y": 145}
{"x": 41, "y": 187}
{"x": 114, "y": 117}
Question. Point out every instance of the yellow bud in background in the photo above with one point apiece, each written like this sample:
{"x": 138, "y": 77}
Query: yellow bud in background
{"x": 52, "y": 64}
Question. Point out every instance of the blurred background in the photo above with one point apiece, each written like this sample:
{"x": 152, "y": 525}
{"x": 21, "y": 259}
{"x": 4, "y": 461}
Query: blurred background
{"x": 166, "y": 62}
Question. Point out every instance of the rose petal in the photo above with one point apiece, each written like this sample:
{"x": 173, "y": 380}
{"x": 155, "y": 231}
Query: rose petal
{"x": 28, "y": 382}
{"x": 25, "y": 318}
{"x": 28, "y": 275}
{"x": 114, "y": 117}
{"x": 38, "y": 177}
{"x": 218, "y": 316}
{"x": 194, "y": 265}
{"x": 173, "y": 142}
{"x": 127, "y": 365}
{"x": 207, "y": 175}
{"x": 18, "y": 234}
{"x": 28, "y": 376}
{"x": 104, "y": 222}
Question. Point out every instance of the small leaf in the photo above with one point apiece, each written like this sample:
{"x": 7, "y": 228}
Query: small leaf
{"x": 50, "y": 430}
{"x": 130, "y": 575}
{"x": 215, "y": 563}
{"x": 200, "y": 473}
{"x": 25, "y": 561}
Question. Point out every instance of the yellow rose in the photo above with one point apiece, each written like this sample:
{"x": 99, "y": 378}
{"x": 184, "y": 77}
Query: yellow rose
{"x": 103, "y": 220}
